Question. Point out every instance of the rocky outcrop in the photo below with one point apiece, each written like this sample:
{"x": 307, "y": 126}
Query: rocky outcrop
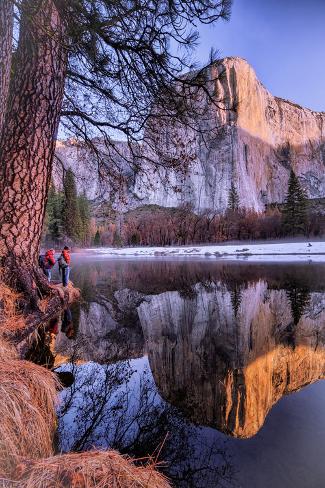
{"x": 252, "y": 138}
{"x": 226, "y": 356}
{"x": 254, "y": 141}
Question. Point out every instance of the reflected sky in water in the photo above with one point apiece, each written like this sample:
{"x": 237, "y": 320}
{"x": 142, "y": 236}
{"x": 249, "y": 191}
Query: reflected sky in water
{"x": 217, "y": 363}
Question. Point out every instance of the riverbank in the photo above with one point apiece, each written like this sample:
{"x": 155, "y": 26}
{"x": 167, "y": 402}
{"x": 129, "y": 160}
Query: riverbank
{"x": 274, "y": 251}
{"x": 29, "y": 398}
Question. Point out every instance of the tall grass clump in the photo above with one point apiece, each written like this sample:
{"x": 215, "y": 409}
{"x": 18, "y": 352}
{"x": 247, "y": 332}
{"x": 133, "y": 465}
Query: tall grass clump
{"x": 7, "y": 350}
{"x": 27, "y": 412}
{"x": 93, "y": 469}
{"x": 10, "y": 318}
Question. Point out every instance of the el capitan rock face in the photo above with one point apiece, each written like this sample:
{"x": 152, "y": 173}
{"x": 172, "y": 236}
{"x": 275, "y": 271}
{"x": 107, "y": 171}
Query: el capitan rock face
{"x": 256, "y": 139}
{"x": 259, "y": 139}
{"x": 271, "y": 136}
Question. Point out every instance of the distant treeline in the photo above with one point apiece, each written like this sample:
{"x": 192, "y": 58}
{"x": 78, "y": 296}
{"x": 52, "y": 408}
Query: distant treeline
{"x": 181, "y": 226}
{"x": 68, "y": 219}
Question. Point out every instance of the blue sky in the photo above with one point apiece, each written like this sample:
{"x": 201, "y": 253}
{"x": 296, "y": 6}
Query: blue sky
{"x": 284, "y": 40}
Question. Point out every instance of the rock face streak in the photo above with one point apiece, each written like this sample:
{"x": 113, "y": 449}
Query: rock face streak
{"x": 256, "y": 139}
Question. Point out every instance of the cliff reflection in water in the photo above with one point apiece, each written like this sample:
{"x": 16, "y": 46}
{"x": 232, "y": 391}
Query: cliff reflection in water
{"x": 224, "y": 357}
{"x": 224, "y": 341}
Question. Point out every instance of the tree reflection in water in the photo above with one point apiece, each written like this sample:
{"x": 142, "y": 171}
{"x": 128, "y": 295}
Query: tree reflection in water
{"x": 118, "y": 406}
{"x": 299, "y": 298}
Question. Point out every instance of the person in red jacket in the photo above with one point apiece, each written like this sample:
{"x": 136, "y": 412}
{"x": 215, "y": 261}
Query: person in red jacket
{"x": 64, "y": 265}
{"x": 47, "y": 262}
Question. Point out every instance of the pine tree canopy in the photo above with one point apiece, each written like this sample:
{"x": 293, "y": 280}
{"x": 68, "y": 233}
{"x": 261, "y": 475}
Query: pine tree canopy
{"x": 67, "y": 214}
{"x": 97, "y": 238}
{"x": 71, "y": 213}
{"x": 295, "y": 211}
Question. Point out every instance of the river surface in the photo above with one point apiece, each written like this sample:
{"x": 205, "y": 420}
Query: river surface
{"x": 213, "y": 368}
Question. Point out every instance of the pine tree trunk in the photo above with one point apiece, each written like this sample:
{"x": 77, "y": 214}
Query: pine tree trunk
{"x": 6, "y": 28}
{"x": 28, "y": 139}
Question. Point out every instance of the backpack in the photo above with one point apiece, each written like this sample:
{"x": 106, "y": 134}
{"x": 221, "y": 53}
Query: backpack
{"x": 62, "y": 262}
{"x": 41, "y": 261}
{"x": 49, "y": 258}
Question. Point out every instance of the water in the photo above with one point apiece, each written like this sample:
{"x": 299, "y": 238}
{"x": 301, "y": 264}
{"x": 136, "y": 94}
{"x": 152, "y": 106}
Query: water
{"x": 214, "y": 368}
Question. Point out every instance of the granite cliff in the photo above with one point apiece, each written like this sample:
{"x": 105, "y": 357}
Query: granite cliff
{"x": 254, "y": 140}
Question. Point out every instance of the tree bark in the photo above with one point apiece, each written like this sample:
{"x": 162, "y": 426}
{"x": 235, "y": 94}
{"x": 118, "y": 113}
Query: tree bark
{"x": 28, "y": 140}
{"x": 6, "y": 31}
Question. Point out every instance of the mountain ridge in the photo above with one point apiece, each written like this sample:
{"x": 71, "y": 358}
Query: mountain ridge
{"x": 259, "y": 139}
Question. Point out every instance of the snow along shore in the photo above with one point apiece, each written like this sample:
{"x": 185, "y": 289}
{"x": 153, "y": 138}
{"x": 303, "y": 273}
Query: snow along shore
{"x": 288, "y": 251}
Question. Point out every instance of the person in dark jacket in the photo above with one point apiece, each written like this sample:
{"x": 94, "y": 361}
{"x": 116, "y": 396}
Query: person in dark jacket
{"x": 47, "y": 262}
{"x": 64, "y": 265}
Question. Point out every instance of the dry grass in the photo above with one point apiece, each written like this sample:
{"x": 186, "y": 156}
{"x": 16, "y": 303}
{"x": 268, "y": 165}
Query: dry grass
{"x": 10, "y": 318}
{"x": 7, "y": 351}
{"x": 43, "y": 304}
{"x": 27, "y": 413}
{"x": 89, "y": 470}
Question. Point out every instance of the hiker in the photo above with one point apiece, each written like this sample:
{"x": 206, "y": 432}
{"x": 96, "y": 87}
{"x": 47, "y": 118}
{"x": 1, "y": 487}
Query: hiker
{"x": 64, "y": 265}
{"x": 47, "y": 262}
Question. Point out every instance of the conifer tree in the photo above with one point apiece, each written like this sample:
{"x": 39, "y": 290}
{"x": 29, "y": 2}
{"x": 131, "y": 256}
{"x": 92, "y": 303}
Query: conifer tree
{"x": 84, "y": 212}
{"x": 85, "y": 53}
{"x": 53, "y": 230}
{"x": 67, "y": 214}
{"x": 294, "y": 216}
{"x": 233, "y": 198}
{"x": 97, "y": 238}
{"x": 299, "y": 299}
{"x": 71, "y": 213}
